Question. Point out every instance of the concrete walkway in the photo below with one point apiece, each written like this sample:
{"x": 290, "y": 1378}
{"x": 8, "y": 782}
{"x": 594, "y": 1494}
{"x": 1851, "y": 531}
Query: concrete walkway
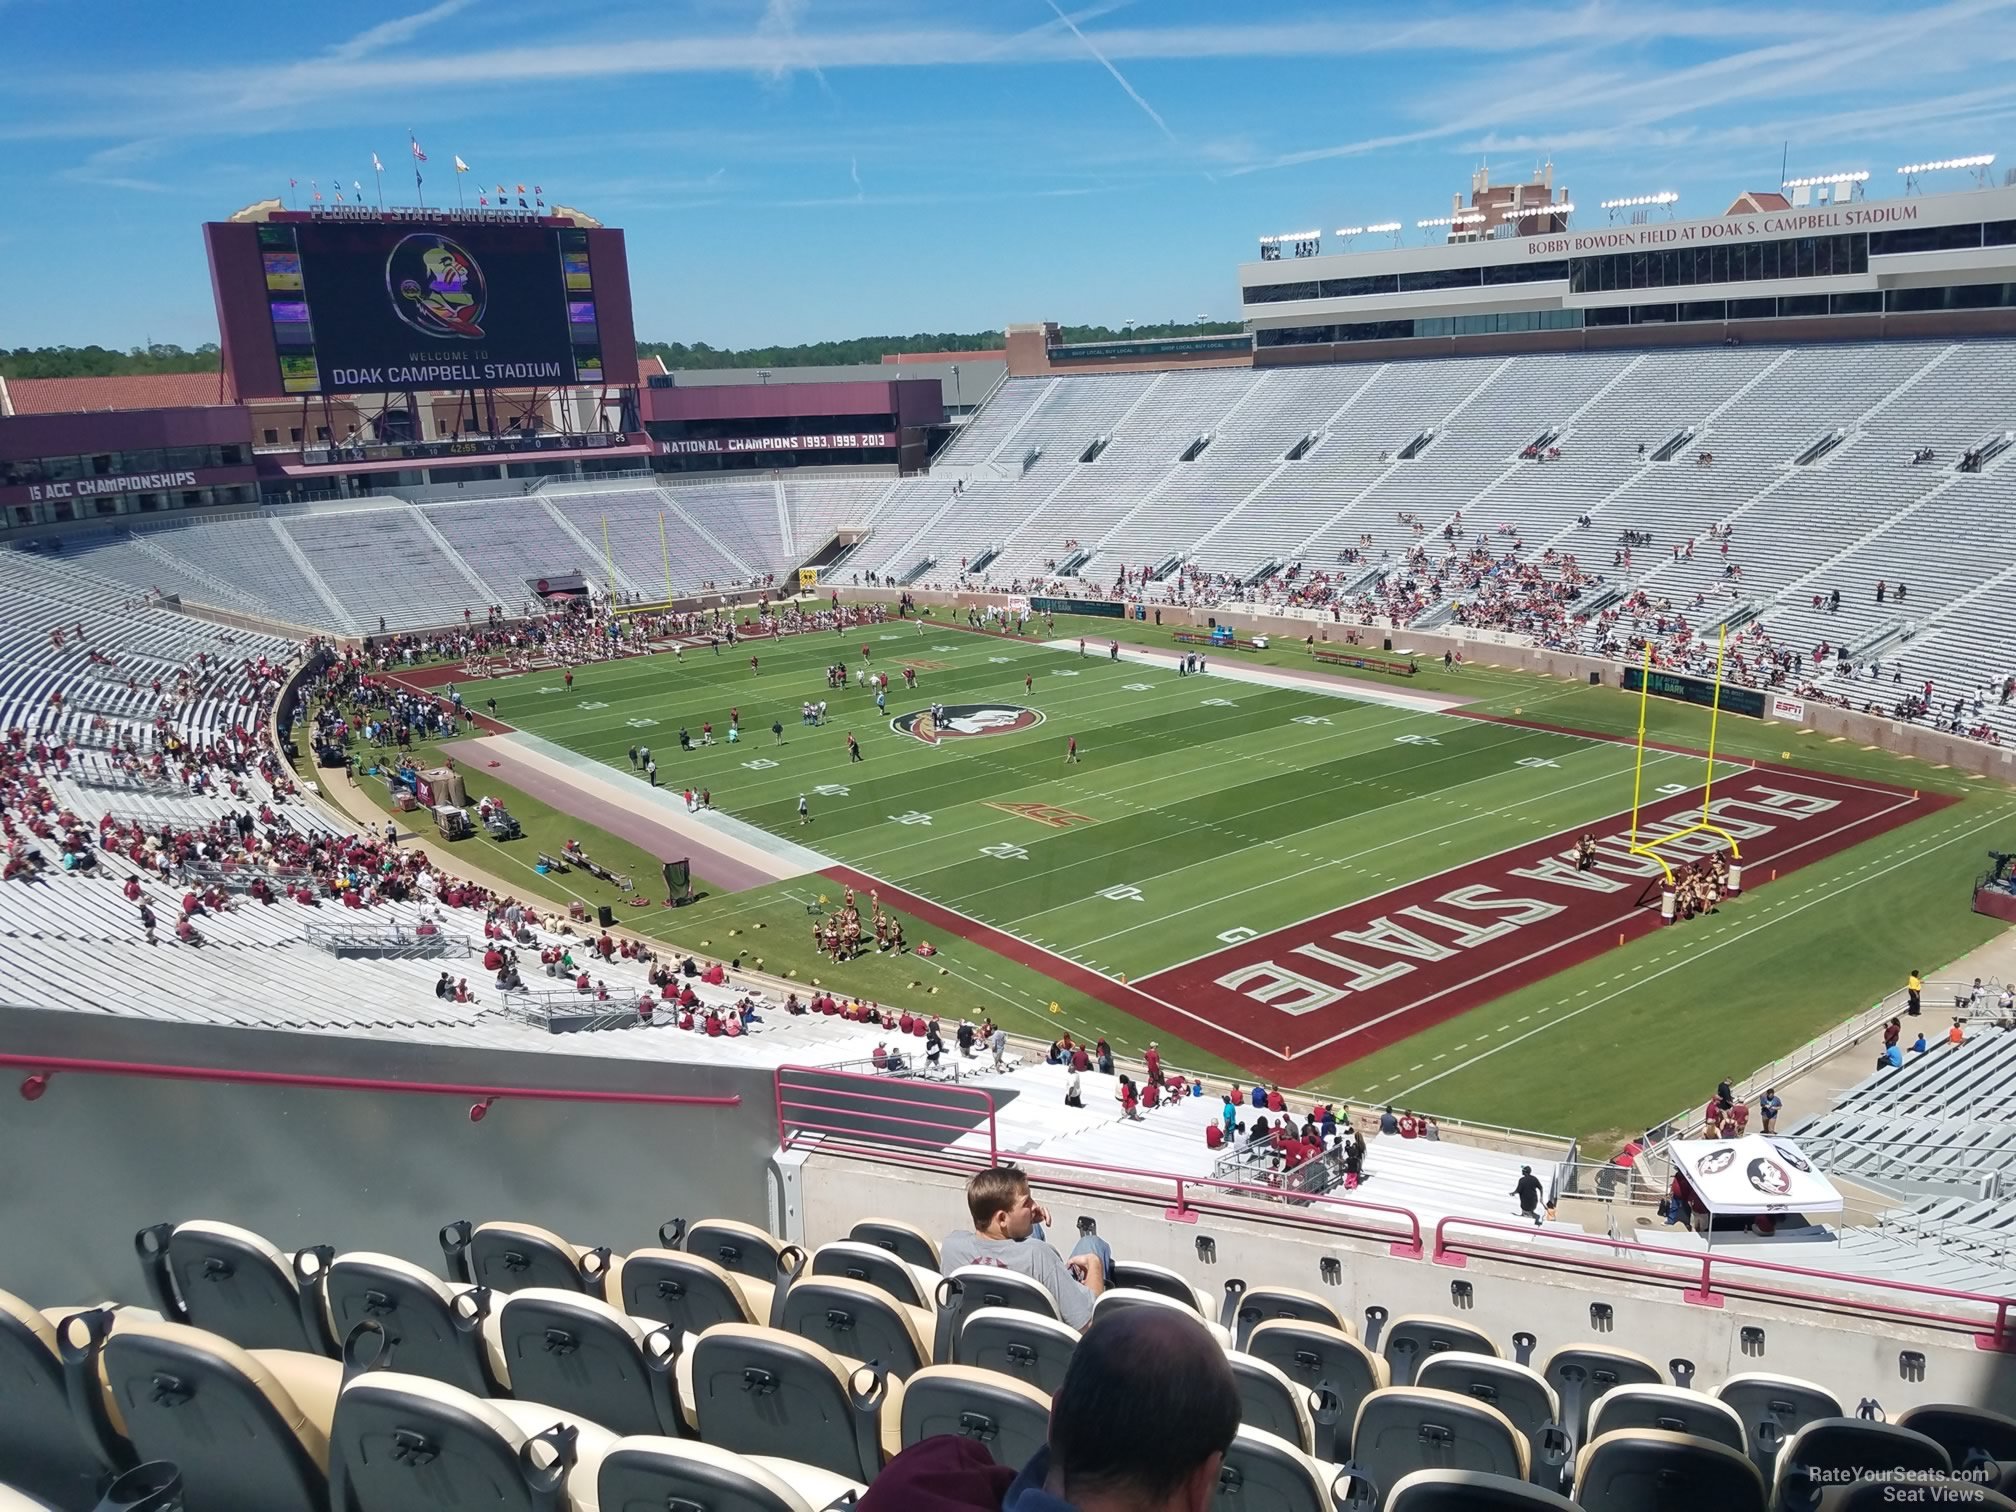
{"x": 1227, "y": 668}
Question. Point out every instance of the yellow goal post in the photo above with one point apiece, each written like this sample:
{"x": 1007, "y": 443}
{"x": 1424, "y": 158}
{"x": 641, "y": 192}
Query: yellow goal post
{"x": 1639, "y": 845}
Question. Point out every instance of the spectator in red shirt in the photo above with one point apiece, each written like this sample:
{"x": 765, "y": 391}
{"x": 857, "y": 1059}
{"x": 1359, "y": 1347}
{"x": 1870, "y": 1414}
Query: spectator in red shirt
{"x": 1154, "y": 1062}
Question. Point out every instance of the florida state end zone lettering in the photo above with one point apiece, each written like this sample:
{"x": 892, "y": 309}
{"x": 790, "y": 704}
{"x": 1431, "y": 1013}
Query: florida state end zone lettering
{"x": 1339, "y": 986}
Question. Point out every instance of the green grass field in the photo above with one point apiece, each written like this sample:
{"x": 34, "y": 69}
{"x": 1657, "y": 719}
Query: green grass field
{"x": 1206, "y": 807}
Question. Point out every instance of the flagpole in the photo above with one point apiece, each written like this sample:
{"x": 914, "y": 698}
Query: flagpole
{"x": 458, "y": 189}
{"x": 413, "y": 150}
{"x": 378, "y": 173}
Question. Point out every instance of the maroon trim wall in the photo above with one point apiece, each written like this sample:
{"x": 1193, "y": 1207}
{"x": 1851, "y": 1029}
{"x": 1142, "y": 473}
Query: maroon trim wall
{"x": 24, "y": 437}
{"x": 244, "y": 327}
{"x": 913, "y": 401}
{"x": 610, "y": 261}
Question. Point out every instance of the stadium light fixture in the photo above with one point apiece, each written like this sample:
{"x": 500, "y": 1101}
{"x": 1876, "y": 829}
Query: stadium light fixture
{"x": 1461, "y": 218}
{"x": 1349, "y": 231}
{"x": 1664, "y": 197}
{"x": 1813, "y": 181}
{"x": 1383, "y": 226}
{"x": 1978, "y": 160}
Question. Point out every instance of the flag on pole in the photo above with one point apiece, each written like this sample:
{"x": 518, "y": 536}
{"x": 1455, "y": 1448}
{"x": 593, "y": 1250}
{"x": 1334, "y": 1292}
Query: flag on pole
{"x": 418, "y": 155}
{"x": 460, "y": 166}
{"x": 358, "y": 185}
{"x": 376, "y": 166}
{"x": 484, "y": 200}
{"x": 293, "y": 183}
{"x": 521, "y": 188}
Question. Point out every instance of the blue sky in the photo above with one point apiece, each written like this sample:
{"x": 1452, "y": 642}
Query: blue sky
{"x": 792, "y": 170}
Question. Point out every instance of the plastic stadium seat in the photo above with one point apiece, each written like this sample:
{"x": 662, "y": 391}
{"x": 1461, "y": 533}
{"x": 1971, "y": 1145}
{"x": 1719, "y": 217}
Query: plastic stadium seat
{"x": 1647, "y": 1470}
{"x": 652, "y": 1474}
{"x": 1261, "y": 1470}
{"x": 1829, "y": 1451}
{"x": 739, "y": 1247}
{"x": 246, "y": 1428}
{"x": 1327, "y": 1362}
{"x": 1018, "y": 1343}
{"x": 1247, "y": 1305}
{"x": 432, "y": 1327}
{"x": 1773, "y": 1408}
{"x": 859, "y": 1322}
{"x": 975, "y": 1286}
{"x": 1115, "y": 1298}
{"x": 1971, "y": 1437}
{"x": 1412, "y": 1337}
{"x": 1010, "y": 1419}
{"x": 406, "y": 1443}
{"x": 903, "y": 1240}
{"x": 42, "y": 1453}
{"x": 690, "y": 1292}
{"x": 227, "y": 1280}
{"x": 1582, "y": 1375}
{"x": 1401, "y": 1429}
{"x": 508, "y": 1257}
{"x": 1139, "y": 1275}
{"x": 1515, "y": 1390}
{"x": 760, "y": 1389}
{"x": 1670, "y": 1410}
{"x": 878, "y": 1267}
{"x": 1470, "y": 1491}
{"x": 1271, "y": 1402}
{"x": 584, "y": 1357}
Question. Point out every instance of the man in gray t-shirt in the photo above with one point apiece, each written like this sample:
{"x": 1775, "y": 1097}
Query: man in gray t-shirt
{"x": 1007, "y": 1231}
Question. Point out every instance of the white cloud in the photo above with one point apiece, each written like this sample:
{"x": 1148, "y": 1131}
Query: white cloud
{"x": 391, "y": 33}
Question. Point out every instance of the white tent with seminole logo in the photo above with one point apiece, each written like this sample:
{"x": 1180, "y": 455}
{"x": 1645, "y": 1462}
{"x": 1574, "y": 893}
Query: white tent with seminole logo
{"x": 1756, "y": 1173}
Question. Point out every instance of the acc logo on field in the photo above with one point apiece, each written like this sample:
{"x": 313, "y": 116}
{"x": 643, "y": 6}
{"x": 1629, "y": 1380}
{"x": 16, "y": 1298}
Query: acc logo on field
{"x": 967, "y": 719}
{"x": 436, "y": 287}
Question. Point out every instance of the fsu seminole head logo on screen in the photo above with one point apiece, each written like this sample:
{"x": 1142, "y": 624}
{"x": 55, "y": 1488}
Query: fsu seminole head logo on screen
{"x": 436, "y": 287}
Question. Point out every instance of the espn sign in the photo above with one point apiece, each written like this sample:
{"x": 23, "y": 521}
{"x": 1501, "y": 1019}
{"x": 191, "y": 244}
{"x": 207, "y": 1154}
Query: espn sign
{"x": 723, "y": 445}
{"x": 1793, "y": 710}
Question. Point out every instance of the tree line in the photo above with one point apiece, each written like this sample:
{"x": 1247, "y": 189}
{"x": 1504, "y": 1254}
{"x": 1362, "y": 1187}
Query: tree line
{"x": 166, "y": 357}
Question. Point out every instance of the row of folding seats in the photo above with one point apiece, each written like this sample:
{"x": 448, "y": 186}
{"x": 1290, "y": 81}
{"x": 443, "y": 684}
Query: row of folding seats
{"x": 870, "y": 1348}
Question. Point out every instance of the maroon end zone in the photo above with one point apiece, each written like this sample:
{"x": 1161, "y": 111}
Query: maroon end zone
{"x": 1333, "y": 989}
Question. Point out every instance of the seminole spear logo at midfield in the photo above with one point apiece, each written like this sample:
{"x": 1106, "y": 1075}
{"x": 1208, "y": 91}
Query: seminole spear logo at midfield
{"x": 436, "y": 287}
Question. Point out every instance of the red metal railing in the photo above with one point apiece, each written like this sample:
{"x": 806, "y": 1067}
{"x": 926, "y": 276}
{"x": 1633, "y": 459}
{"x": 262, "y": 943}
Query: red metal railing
{"x": 1987, "y": 1318}
{"x": 832, "y": 1109}
{"x": 42, "y": 1067}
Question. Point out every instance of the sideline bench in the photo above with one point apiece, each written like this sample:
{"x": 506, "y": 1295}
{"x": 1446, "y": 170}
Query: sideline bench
{"x": 1365, "y": 663}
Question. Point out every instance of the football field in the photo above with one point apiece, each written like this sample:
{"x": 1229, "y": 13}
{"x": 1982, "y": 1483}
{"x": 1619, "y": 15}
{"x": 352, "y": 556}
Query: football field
{"x": 1290, "y": 872}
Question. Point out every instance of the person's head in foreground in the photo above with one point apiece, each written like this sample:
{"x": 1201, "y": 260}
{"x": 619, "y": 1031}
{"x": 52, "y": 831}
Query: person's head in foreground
{"x": 1141, "y": 1424}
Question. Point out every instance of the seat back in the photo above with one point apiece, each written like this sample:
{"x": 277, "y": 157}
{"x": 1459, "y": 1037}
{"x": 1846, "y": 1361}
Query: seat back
{"x": 430, "y": 1328}
{"x": 856, "y": 1320}
{"x": 1116, "y": 1298}
{"x": 1670, "y": 1410}
{"x": 1018, "y": 1343}
{"x": 1469, "y": 1491}
{"x": 226, "y": 1280}
{"x": 1829, "y": 1451}
{"x": 1649, "y": 1470}
{"x": 876, "y": 1266}
{"x": 1246, "y": 1306}
{"x": 903, "y": 1240}
{"x": 1402, "y": 1429}
{"x": 582, "y": 1356}
{"x": 1140, "y": 1275}
{"x": 1269, "y": 1401}
{"x": 652, "y": 1474}
{"x": 1772, "y": 1408}
{"x": 407, "y": 1443}
{"x": 41, "y": 1451}
{"x": 756, "y": 1390}
{"x": 1515, "y": 1390}
{"x": 1412, "y": 1337}
{"x": 216, "y": 1413}
{"x": 994, "y": 1286}
{"x": 509, "y": 1257}
{"x": 735, "y": 1246}
{"x": 1328, "y": 1362}
{"x": 688, "y": 1292}
{"x": 1261, "y": 1470}
{"x": 1582, "y": 1376}
{"x": 1009, "y": 1419}
{"x": 1972, "y": 1438}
